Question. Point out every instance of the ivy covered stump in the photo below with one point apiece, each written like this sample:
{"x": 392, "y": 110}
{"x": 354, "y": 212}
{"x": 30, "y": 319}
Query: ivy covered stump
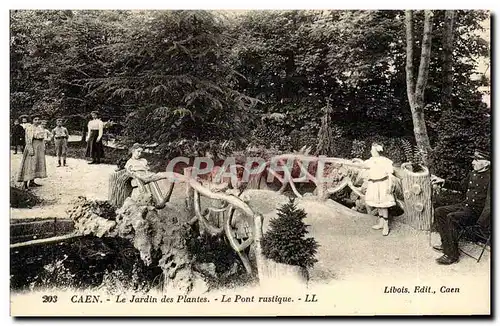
{"x": 417, "y": 192}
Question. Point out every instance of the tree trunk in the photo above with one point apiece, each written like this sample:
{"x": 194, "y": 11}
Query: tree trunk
{"x": 84, "y": 134}
{"x": 421, "y": 137}
{"x": 449, "y": 16}
{"x": 417, "y": 197}
{"x": 119, "y": 188}
{"x": 325, "y": 134}
{"x": 416, "y": 92}
{"x": 410, "y": 79}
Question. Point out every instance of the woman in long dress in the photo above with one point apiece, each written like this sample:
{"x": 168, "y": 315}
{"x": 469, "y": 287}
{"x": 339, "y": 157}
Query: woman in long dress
{"x": 379, "y": 186}
{"x": 95, "y": 149}
{"x": 33, "y": 162}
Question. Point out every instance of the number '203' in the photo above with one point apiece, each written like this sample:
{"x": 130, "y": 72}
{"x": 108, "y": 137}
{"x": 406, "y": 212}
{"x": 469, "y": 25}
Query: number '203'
{"x": 49, "y": 298}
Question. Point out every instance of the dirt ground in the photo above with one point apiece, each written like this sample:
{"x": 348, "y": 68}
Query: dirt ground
{"x": 349, "y": 249}
{"x": 63, "y": 185}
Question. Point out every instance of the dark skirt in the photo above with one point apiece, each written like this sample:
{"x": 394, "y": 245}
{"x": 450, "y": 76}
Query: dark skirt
{"x": 95, "y": 149}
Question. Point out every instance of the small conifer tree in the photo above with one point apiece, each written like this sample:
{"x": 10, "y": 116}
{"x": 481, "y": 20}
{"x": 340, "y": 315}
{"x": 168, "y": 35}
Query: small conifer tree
{"x": 285, "y": 242}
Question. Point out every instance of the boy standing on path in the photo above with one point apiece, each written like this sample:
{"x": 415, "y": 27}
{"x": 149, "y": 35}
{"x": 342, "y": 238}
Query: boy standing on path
{"x": 61, "y": 135}
{"x": 17, "y": 136}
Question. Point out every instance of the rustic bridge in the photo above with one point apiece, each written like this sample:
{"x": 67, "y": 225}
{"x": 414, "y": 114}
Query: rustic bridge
{"x": 230, "y": 216}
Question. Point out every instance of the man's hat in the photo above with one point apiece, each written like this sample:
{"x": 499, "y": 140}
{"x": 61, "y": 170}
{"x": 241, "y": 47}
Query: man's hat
{"x": 481, "y": 155}
{"x": 24, "y": 116}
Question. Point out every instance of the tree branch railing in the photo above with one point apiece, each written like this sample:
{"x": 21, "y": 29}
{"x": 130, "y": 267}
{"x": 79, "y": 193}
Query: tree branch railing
{"x": 231, "y": 203}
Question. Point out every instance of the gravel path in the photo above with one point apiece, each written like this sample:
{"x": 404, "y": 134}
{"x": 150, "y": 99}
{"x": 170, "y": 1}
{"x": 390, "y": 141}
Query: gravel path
{"x": 351, "y": 250}
{"x": 63, "y": 185}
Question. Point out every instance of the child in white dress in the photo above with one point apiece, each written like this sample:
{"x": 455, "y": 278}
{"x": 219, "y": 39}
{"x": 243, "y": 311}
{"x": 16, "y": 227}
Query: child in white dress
{"x": 138, "y": 166}
{"x": 379, "y": 186}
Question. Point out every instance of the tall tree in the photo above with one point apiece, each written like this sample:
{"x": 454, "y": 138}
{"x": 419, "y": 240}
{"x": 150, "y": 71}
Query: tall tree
{"x": 466, "y": 124}
{"x": 416, "y": 92}
{"x": 449, "y": 17}
{"x": 325, "y": 134}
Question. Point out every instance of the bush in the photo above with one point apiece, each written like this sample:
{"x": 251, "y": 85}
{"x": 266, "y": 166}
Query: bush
{"x": 285, "y": 241}
{"x": 109, "y": 264}
{"x": 395, "y": 148}
{"x": 216, "y": 260}
{"x": 462, "y": 131}
{"x": 207, "y": 248}
{"x": 22, "y": 199}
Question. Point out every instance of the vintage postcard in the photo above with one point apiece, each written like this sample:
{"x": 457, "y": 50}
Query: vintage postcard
{"x": 250, "y": 163}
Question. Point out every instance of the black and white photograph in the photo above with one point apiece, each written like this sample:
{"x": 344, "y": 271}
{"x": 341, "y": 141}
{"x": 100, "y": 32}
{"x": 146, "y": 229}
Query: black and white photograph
{"x": 306, "y": 162}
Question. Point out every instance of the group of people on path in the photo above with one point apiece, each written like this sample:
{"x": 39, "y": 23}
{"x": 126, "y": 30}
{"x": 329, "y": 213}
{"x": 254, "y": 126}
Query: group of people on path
{"x": 32, "y": 143}
{"x": 33, "y": 137}
{"x": 475, "y": 210}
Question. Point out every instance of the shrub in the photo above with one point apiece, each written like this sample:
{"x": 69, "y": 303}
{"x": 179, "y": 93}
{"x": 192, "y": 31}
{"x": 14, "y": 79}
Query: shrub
{"x": 22, "y": 199}
{"x": 358, "y": 148}
{"x": 215, "y": 259}
{"x": 271, "y": 135}
{"x": 285, "y": 241}
{"x": 462, "y": 130}
{"x": 399, "y": 150}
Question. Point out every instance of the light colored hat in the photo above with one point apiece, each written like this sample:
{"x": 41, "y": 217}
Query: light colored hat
{"x": 378, "y": 147}
{"x": 134, "y": 147}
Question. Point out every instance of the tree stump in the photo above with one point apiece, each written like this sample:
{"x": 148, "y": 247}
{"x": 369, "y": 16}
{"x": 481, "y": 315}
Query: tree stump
{"x": 119, "y": 188}
{"x": 417, "y": 192}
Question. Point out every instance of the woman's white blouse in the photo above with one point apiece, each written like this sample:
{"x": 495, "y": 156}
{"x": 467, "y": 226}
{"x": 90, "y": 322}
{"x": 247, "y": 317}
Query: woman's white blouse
{"x": 34, "y": 132}
{"x": 96, "y": 124}
{"x": 136, "y": 165}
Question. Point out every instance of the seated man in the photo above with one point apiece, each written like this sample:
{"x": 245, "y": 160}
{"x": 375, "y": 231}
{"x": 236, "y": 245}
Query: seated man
{"x": 475, "y": 209}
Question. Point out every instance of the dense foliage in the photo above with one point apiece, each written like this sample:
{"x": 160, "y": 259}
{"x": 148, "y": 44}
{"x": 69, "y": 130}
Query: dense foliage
{"x": 285, "y": 242}
{"x": 190, "y": 80}
{"x": 22, "y": 199}
{"x": 110, "y": 264}
{"x": 295, "y": 61}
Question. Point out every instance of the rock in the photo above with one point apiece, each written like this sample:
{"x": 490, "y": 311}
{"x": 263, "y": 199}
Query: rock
{"x": 233, "y": 270}
{"x": 206, "y": 269}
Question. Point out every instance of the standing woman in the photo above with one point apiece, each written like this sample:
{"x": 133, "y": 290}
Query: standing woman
{"x": 33, "y": 162}
{"x": 95, "y": 149}
{"x": 379, "y": 187}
